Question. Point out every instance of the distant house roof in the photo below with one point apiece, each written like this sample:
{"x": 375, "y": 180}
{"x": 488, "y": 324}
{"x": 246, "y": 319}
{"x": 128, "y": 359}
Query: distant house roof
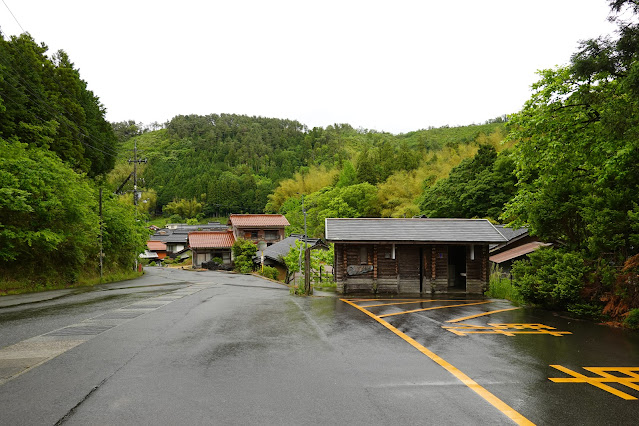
{"x": 412, "y": 230}
{"x": 511, "y": 233}
{"x": 258, "y": 220}
{"x": 148, "y": 254}
{"x": 517, "y": 251}
{"x": 211, "y": 239}
{"x": 170, "y": 237}
{"x": 282, "y": 248}
{"x": 156, "y": 245}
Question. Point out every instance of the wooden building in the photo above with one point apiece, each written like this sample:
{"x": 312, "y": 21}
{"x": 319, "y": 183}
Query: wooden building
{"x": 519, "y": 244}
{"x": 206, "y": 245}
{"x": 259, "y": 227}
{"x": 274, "y": 254}
{"x": 411, "y": 256}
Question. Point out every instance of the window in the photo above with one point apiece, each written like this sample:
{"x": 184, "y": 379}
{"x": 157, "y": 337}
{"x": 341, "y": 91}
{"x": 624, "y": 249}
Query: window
{"x": 363, "y": 255}
{"x": 271, "y": 234}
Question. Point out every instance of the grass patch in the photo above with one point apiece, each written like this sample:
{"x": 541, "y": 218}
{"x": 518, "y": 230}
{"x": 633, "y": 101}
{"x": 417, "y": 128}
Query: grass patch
{"x": 503, "y": 288}
{"x": 18, "y": 286}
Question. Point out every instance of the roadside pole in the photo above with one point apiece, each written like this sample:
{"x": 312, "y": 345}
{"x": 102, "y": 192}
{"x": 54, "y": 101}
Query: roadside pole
{"x": 101, "y": 252}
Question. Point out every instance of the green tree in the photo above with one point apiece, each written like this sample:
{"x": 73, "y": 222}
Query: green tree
{"x": 243, "y": 251}
{"x": 187, "y": 209}
{"x": 477, "y": 187}
{"x": 47, "y": 104}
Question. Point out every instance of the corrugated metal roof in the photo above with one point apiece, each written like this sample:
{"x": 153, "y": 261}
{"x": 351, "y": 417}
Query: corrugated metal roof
{"x": 258, "y": 220}
{"x": 211, "y": 239}
{"x": 517, "y": 251}
{"x": 156, "y": 245}
{"x": 412, "y": 230}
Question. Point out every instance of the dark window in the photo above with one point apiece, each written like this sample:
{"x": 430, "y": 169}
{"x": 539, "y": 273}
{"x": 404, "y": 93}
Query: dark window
{"x": 363, "y": 255}
{"x": 271, "y": 234}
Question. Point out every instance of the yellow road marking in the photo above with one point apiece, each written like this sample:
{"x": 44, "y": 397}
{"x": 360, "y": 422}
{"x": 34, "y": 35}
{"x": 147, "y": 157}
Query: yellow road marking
{"x": 505, "y": 329}
{"x": 631, "y": 379}
{"x": 481, "y": 315}
{"x": 407, "y": 303}
{"x": 430, "y": 309}
{"x": 476, "y": 387}
{"x": 381, "y": 300}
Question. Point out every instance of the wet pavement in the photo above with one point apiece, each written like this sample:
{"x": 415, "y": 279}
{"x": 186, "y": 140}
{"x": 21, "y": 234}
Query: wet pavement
{"x": 217, "y": 348}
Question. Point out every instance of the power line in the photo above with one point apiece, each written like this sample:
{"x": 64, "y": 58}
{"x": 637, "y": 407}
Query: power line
{"x": 14, "y": 16}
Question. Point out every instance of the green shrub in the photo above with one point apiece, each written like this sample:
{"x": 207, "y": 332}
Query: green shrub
{"x": 269, "y": 272}
{"x": 244, "y": 250}
{"x": 218, "y": 260}
{"x": 632, "y": 319}
{"x": 586, "y": 310}
{"x": 503, "y": 288}
{"x": 551, "y": 278}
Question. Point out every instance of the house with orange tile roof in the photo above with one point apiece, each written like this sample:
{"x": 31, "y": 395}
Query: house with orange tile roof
{"x": 259, "y": 227}
{"x": 157, "y": 247}
{"x": 206, "y": 245}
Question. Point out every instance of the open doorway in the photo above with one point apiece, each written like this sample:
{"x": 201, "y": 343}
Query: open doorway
{"x": 457, "y": 267}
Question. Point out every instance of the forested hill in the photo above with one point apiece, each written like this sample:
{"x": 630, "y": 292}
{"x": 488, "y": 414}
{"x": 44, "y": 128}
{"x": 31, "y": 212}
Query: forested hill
{"x": 234, "y": 163}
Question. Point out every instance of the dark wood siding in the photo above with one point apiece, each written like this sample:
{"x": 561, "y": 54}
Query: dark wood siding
{"x": 477, "y": 269}
{"x": 386, "y": 265}
{"x": 408, "y": 259}
{"x": 441, "y": 261}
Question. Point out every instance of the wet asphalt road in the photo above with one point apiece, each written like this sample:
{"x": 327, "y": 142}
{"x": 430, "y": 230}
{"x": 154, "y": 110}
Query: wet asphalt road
{"x": 184, "y": 347}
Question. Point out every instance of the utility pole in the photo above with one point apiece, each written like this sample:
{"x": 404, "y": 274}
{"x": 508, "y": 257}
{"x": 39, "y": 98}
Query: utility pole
{"x": 135, "y": 162}
{"x": 101, "y": 252}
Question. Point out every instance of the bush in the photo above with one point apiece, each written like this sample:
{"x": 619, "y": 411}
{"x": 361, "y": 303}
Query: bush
{"x": 551, "y": 278}
{"x": 632, "y": 319}
{"x": 244, "y": 250}
{"x": 503, "y": 288}
{"x": 586, "y": 310}
{"x": 269, "y": 272}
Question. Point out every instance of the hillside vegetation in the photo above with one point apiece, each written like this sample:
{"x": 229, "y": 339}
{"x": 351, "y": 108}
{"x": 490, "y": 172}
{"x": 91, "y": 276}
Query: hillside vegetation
{"x": 232, "y": 163}
{"x": 55, "y": 145}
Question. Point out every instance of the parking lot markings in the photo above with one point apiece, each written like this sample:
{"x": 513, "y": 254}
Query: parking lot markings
{"x": 481, "y": 315}
{"x": 476, "y": 387}
{"x": 630, "y": 378}
{"x": 432, "y": 308}
{"x": 408, "y": 303}
{"x": 505, "y": 329}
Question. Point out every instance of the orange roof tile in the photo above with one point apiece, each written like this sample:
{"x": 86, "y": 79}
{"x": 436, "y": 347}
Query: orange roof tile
{"x": 258, "y": 220}
{"x": 156, "y": 245}
{"x": 211, "y": 239}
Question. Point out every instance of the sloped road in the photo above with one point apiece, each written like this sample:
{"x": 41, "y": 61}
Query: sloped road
{"x": 184, "y": 347}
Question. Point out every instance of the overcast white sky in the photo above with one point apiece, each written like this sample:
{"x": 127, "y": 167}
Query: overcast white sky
{"x": 393, "y": 65}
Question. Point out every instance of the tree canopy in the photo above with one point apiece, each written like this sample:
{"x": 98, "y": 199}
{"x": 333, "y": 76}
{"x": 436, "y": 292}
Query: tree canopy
{"x": 45, "y": 103}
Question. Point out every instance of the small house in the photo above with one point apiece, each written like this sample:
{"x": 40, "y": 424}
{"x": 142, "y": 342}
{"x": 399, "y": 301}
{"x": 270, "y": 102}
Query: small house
{"x": 411, "y": 256}
{"x": 519, "y": 244}
{"x": 273, "y": 254}
{"x": 206, "y": 245}
{"x": 259, "y": 227}
{"x": 157, "y": 247}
